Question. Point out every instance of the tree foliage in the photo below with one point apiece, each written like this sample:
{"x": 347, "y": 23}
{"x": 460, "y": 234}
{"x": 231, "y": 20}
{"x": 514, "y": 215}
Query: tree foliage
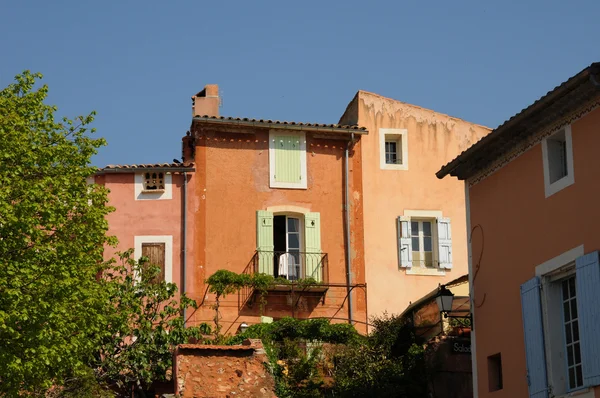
{"x": 390, "y": 363}
{"x": 144, "y": 324}
{"x": 52, "y": 234}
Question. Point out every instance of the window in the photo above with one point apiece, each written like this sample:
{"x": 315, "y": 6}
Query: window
{"x": 159, "y": 250}
{"x": 557, "y": 157}
{"x": 392, "y": 155}
{"x": 561, "y": 317}
{"x": 289, "y": 245}
{"x": 424, "y": 242}
{"x": 286, "y": 244}
{"x": 287, "y": 160}
{"x": 393, "y": 149}
{"x": 154, "y": 181}
{"x": 571, "y": 328}
{"x": 155, "y": 252}
{"x": 495, "y": 372}
{"x": 153, "y": 185}
{"x": 558, "y": 161}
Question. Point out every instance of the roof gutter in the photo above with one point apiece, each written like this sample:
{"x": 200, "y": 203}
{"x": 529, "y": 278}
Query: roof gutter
{"x": 347, "y": 222}
{"x": 283, "y": 126}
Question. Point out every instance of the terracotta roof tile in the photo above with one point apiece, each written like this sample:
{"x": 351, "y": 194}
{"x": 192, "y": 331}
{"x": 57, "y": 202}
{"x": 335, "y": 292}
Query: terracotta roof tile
{"x": 229, "y": 119}
{"x": 147, "y": 166}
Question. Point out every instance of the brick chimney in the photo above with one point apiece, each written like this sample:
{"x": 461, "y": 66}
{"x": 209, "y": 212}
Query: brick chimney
{"x": 206, "y": 102}
{"x": 187, "y": 149}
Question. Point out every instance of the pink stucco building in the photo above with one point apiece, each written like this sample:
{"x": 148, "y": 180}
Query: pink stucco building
{"x": 532, "y": 213}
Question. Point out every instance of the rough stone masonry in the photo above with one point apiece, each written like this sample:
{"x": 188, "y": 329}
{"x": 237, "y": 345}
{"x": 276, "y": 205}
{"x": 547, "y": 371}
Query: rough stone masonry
{"x": 222, "y": 371}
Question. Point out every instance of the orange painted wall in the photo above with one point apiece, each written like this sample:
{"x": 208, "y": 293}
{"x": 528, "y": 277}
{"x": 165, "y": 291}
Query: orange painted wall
{"x": 523, "y": 229}
{"x": 433, "y": 139}
{"x": 148, "y": 217}
{"x": 233, "y": 183}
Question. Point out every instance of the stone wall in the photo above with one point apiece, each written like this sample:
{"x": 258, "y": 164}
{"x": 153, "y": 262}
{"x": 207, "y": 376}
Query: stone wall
{"x": 222, "y": 371}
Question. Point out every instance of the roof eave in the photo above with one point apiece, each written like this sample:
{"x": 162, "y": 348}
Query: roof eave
{"x": 453, "y": 168}
{"x": 280, "y": 125}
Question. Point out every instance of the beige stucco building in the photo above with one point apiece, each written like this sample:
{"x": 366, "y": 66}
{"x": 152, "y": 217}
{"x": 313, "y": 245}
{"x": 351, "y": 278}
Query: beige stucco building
{"x": 414, "y": 224}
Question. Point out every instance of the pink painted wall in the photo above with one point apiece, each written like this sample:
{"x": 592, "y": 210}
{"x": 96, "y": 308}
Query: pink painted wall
{"x": 433, "y": 140}
{"x": 149, "y": 217}
{"x": 523, "y": 229}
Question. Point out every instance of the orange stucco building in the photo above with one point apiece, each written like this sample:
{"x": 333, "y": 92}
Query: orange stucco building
{"x": 271, "y": 198}
{"x": 415, "y": 225}
{"x": 531, "y": 187}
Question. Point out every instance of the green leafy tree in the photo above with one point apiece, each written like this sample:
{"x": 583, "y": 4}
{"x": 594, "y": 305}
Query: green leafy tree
{"x": 390, "y": 363}
{"x": 144, "y": 324}
{"x": 52, "y": 234}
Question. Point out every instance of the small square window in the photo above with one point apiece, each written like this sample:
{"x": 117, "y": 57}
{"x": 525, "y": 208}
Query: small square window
{"x": 495, "y": 372}
{"x": 393, "y": 149}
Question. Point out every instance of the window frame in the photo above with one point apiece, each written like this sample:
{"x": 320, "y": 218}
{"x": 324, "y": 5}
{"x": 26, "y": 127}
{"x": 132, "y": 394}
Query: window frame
{"x": 552, "y": 273}
{"x": 140, "y": 193}
{"x": 550, "y": 188}
{"x": 428, "y": 215}
{"x": 400, "y": 136}
{"x": 273, "y": 183}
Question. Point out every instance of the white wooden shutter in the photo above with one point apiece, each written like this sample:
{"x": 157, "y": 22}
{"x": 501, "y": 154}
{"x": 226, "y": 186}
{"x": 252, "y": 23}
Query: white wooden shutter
{"x": 587, "y": 280}
{"x": 404, "y": 242}
{"x": 264, "y": 242}
{"x": 533, "y": 331}
{"x": 444, "y": 242}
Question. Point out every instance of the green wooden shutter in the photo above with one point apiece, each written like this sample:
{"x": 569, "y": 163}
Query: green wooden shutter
{"x": 287, "y": 159}
{"x": 264, "y": 241}
{"x": 312, "y": 237}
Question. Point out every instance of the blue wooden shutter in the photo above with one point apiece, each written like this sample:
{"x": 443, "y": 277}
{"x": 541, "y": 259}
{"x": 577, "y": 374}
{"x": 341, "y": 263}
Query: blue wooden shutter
{"x": 444, "y": 243}
{"x": 588, "y": 307}
{"x": 533, "y": 330}
{"x": 264, "y": 241}
{"x": 404, "y": 242}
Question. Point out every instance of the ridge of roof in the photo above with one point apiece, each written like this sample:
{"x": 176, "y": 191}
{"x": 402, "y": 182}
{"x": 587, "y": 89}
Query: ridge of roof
{"x": 538, "y": 105}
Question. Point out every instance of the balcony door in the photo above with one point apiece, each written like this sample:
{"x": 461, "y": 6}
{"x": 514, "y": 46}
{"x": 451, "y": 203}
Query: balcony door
{"x": 287, "y": 243}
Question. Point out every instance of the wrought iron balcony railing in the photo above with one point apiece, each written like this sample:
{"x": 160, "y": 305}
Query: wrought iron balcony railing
{"x": 291, "y": 265}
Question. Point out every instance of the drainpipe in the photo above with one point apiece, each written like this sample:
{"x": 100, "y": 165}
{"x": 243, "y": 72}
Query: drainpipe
{"x": 184, "y": 240}
{"x": 347, "y": 216}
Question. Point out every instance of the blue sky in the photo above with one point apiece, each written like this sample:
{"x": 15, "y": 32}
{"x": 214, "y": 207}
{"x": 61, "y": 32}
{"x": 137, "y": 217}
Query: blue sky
{"x": 138, "y": 63}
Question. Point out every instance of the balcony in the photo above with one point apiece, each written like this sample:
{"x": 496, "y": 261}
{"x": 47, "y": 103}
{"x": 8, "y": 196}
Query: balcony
{"x": 297, "y": 274}
{"x": 292, "y": 266}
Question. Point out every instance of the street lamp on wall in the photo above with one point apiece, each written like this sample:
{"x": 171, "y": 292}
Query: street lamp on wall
{"x": 444, "y": 300}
